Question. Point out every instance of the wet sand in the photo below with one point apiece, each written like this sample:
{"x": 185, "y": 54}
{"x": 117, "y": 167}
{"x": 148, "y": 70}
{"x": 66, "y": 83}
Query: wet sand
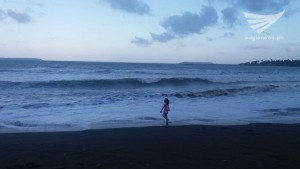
{"x": 254, "y": 146}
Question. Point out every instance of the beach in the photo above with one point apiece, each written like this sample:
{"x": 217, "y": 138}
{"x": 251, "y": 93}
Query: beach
{"x": 274, "y": 146}
{"x": 145, "y": 84}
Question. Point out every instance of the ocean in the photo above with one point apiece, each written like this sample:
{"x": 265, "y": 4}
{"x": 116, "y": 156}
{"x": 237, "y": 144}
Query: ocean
{"x": 38, "y": 96}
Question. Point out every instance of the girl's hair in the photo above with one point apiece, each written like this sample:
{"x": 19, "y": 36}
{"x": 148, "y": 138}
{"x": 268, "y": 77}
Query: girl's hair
{"x": 167, "y": 101}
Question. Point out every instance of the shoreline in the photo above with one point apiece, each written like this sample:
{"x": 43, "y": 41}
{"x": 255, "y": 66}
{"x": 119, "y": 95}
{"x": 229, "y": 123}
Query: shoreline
{"x": 194, "y": 146}
{"x": 135, "y": 124}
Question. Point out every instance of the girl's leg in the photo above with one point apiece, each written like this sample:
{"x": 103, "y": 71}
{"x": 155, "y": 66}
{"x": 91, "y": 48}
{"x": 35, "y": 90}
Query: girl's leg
{"x": 167, "y": 120}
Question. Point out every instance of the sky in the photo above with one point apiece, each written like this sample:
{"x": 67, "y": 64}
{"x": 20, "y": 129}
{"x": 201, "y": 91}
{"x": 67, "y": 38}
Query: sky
{"x": 150, "y": 31}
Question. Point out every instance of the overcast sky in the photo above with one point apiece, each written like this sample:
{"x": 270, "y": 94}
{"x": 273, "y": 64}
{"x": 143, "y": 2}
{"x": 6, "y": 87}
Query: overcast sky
{"x": 147, "y": 30}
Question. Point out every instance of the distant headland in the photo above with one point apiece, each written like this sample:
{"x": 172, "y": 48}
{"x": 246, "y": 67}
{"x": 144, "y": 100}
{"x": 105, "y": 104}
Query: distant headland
{"x": 288, "y": 62}
{"x": 20, "y": 59}
{"x": 196, "y": 63}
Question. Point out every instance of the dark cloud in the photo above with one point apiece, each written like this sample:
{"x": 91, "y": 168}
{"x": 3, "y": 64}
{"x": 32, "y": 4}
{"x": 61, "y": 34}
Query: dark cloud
{"x": 164, "y": 37}
{"x": 189, "y": 23}
{"x": 228, "y": 35}
{"x": 291, "y": 12}
{"x": 180, "y": 26}
{"x": 131, "y": 6}
{"x": 183, "y": 25}
{"x": 235, "y": 8}
{"x": 262, "y": 6}
{"x": 140, "y": 41}
{"x": 230, "y": 17}
{"x": 19, "y": 17}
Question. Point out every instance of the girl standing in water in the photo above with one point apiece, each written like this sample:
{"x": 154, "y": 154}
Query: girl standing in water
{"x": 166, "y": 110}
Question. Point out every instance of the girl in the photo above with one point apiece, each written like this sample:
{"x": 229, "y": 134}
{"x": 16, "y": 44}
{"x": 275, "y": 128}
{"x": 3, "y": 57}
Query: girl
{"x": 166, "y": 109}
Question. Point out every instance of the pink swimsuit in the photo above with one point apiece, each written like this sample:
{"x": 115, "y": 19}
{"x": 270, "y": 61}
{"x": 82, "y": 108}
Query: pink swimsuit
{"x": 166, "y": 110}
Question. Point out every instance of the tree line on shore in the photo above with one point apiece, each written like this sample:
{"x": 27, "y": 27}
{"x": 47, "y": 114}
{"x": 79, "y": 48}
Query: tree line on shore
{"x": 288, "y": 62}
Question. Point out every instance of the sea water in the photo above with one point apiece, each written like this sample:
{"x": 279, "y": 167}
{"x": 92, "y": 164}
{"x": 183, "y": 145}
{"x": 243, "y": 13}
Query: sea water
{"x": 64, "y": 96}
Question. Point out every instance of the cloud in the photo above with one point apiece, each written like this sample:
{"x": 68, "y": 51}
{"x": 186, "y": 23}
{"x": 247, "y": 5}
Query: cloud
{"x": 228, "y": 35}
{"x": 262, "y": 6}
{"x": 209, "y": 39}
{"x": 19, "y": 17}
{"x": 140, "y": 41}
{"x": 130, "y": 6}
{"x": 231, "y": 14}
{"x": 164, "y": 37}
{"x": 291, "y": 12}
{"x": 189, "y": 23}
{"x": 230, "y": 17}
{"x": 2, "y": 14}
{"x": 180, "y": 26}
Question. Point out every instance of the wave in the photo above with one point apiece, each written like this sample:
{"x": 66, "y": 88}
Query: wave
{"x": 225, "y": 92}
{"x": 292, "y": 111}
{"x": 111, "y": 83}
{"x": 31, "y": 125}
{"x": 36, "y": 105}
{"x": 18, "y": 124}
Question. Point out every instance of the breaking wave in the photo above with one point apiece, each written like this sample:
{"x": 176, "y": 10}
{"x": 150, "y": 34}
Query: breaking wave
{"x": 110, "y": 83}
{"x": 225, "y": 92}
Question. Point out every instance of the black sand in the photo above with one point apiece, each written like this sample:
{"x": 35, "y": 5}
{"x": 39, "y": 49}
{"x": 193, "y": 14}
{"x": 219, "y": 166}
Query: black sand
{"x": 255, "y": 146}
